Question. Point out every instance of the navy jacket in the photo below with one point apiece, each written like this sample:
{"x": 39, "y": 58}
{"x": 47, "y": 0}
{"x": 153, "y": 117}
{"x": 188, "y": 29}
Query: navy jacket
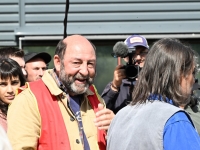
{"x": 117, "y": 100}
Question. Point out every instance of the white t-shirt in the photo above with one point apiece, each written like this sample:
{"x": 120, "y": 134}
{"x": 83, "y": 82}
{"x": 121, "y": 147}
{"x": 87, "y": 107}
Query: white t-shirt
{"x": 4, "y": 142}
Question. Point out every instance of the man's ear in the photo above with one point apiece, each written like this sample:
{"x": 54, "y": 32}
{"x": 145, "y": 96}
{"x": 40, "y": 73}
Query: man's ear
{"x": 57, "y": 62}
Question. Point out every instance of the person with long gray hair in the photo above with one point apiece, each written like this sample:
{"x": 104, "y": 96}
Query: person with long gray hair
{"x": 156, "y": 119}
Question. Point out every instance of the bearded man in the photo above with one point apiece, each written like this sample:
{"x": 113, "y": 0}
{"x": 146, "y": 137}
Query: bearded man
{"x": 62, "y": 110}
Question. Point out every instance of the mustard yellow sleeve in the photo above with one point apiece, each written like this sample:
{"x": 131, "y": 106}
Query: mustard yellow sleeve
{"x": 23, "y": 122}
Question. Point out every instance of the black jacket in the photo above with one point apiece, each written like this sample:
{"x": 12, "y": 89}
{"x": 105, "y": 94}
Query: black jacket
{"x": 117, "y": 100}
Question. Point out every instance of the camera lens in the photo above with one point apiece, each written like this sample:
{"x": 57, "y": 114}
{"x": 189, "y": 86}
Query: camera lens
{"x": 132, "y": 71}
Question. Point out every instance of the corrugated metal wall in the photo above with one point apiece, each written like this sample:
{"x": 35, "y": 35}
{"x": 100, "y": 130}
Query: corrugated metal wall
{"x": 9, "y": 20}
{"x": 97, "y": 17}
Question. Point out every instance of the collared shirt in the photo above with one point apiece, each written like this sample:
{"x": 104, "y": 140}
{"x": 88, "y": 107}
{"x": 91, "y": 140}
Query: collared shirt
{"x": 74, "y": 104}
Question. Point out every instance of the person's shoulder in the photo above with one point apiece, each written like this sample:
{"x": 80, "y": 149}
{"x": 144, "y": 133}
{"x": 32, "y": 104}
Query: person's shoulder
{"x": 93, "y": 90}
{"x": 180, "y": 133}
{"x": 179, "y": 116}
{"x": 106, "y": 89}
{"x": 22, "y": 91}
{"x": 50, "y": 80}
{"x": 23, "y": 97}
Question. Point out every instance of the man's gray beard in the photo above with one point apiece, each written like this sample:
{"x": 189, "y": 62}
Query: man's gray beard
{"x": 70, "y": 85}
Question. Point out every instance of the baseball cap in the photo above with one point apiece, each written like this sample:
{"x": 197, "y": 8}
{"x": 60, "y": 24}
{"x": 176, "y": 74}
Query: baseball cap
{"x": 136, "y": 40}
{"x": 43, "y": 55}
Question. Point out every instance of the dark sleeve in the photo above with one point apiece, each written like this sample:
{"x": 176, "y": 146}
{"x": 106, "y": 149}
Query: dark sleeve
{"x": 109, "y": 96}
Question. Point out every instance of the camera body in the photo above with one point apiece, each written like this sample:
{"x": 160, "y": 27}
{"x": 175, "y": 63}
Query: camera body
{"x": 120, "y": 49}
{"x": 131, "y": 70}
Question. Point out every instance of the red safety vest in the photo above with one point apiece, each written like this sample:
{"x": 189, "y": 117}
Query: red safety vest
{"x": 93, "y": 99}
{"x": 53, "y": 131}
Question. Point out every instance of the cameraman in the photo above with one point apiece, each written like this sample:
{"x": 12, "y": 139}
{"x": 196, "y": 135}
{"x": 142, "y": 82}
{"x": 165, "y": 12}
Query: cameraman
{"x": 117, "y": 93}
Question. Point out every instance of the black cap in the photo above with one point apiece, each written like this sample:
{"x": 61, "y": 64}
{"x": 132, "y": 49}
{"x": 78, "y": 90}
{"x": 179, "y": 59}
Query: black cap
{"x": 43, "y": 55}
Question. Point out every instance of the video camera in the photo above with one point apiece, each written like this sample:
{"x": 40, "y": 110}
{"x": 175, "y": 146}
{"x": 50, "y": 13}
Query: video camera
{"x": 120, "y": 49}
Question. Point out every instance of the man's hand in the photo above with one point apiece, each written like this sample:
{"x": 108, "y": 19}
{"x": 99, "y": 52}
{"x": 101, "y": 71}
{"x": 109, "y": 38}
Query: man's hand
{"x": 119, "y": 74}
{"x": 103, "y": 118}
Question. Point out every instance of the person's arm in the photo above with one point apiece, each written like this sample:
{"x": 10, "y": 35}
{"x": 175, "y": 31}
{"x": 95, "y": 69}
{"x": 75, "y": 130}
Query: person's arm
{"x": 23, "y": 122}
{"x": 109, "y": 96}
{"x": 111, "y": 91}
{"x": 180, "y": 134}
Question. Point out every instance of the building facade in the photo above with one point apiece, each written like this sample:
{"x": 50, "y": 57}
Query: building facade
{"x": 37, "y": 25}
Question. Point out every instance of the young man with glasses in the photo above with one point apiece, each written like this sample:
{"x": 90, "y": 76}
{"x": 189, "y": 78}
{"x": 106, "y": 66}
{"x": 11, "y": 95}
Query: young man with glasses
{"x": 117, "y": 94}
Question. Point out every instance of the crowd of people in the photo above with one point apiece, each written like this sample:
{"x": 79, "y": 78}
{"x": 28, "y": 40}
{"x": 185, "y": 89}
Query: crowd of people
{"x": 60, "y": 108}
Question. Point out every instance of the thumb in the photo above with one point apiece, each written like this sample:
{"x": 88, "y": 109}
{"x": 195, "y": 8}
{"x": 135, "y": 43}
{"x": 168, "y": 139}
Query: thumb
{"x": 100, "y": 106}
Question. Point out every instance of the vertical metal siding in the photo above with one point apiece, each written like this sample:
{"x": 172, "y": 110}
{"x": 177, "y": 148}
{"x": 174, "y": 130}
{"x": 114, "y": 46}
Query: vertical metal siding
{"x": 98, "y": 17}
{"x": 9, "y": 20}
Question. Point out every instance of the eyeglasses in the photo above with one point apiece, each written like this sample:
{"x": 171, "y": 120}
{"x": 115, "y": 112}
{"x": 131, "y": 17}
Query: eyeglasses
{"x": 141, "y": 53}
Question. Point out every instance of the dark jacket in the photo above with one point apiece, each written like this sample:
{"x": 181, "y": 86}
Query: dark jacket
{"x": 117, "y": 100}
{"x": 194, "y": 112}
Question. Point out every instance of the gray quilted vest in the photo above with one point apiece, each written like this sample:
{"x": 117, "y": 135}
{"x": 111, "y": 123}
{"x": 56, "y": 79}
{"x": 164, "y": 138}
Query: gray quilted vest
{"x": 143, "y": 126}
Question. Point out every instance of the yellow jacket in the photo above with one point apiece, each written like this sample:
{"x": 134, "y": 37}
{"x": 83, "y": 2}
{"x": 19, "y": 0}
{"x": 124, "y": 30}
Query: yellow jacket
{"x": 24, "y": 119}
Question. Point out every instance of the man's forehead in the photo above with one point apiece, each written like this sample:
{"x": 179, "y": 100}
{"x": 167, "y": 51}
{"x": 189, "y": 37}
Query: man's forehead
{"x": 80, "y": 56}
{"x": 83, "y": 47}
{"x": 80, "y": 50}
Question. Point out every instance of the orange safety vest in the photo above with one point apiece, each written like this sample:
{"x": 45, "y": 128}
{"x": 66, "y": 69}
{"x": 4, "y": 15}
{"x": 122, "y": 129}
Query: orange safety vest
{"x": 53, "y": 131}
